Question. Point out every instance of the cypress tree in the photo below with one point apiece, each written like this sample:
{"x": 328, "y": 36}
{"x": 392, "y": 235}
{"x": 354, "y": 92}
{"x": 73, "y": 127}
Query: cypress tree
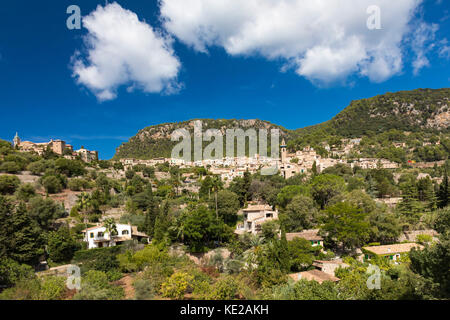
{"x": 443, "y": 192}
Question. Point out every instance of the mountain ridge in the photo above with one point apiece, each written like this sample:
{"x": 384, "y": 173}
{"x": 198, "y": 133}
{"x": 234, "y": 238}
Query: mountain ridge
{"x": 415, "y": 110}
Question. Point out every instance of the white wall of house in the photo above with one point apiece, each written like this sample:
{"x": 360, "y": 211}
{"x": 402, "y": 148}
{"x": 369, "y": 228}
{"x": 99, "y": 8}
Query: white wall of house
{"x": 95, "y": 235}
{"x": 254, "y": 218}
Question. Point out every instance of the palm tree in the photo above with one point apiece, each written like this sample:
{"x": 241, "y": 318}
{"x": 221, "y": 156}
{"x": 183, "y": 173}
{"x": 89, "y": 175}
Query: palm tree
{"x": 110, "y": 228}
{"x": 84, "y": 203}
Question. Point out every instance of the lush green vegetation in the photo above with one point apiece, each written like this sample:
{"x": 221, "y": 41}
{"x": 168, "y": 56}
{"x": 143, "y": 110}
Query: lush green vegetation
{"x": 190, "y": 216}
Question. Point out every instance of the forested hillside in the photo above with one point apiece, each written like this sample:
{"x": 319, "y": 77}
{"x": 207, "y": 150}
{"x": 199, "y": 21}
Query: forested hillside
{"x": 421, "y": 110}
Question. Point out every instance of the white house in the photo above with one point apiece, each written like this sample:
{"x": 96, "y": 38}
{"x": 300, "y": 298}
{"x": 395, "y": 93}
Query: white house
{"x": 97, "y": 238}
{"x": 254, "y": 217}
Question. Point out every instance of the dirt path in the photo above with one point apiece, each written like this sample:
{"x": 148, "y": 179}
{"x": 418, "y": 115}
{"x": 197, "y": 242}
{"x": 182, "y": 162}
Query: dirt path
{"x": 127, "y": 284}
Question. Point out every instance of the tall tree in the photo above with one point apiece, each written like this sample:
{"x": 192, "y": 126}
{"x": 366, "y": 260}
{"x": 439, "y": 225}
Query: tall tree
{"x": 110, "y": 229}
{"x": 443, "y": 193}
{"x": 346, "y": 224}
{"x": 26, "y": 245}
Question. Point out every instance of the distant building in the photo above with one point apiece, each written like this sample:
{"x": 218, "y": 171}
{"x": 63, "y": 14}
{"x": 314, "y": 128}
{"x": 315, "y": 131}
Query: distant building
{"x": 86, "y": 155}
{"x": 57, "y": 146}
{"x": 313, "y": 275}
{"x": 312, "y": 235}
{"x": 392, "y": 252}
{"x": 330, "y": 266}
{"x": 254, "y": 217}
{"x": 96, "y": 237}
{"x": 16, "y": 140}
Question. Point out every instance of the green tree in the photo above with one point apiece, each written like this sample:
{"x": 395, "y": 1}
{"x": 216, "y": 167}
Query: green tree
{"x": 52, "y": 184}
{"x": 227, "y": 206}
{"x": 346, "y": 224}
{"x": 25, "y": 192}
{"x": 110, "y": 229}
{"x": 8, "y": 184}
{"x": 326, "y": 186}
{"x": 84, "y": 203}
{"x": 444, "y": 191}
{"x": 44, "y": 212}
{"x": 26, "y": 244}
{"x": 432, "y": 263}
{"x": 201, "y": 228}
{"x": 302, "y": 254}
{"x": 61, "y": 246}
{"x": 299, "y": 214}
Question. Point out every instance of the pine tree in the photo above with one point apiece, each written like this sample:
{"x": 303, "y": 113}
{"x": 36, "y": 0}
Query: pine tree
{"x": 410, "y": 206}
{"x": 162, "y": 223}
{"x": 5, "y": 227}
{"x": 26, "y": 237}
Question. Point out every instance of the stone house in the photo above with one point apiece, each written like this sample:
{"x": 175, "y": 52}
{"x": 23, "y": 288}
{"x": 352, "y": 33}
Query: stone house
{"x": 97, "y": 238}
{"x": 254, "y": 217}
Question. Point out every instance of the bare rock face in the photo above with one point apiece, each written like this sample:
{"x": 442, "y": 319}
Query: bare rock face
{"x": 155, "y": 141}
{"x": 440, "y": 120}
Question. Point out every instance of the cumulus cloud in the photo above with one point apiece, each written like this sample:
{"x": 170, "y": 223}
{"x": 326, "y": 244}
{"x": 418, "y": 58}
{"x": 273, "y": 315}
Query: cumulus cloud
{"x": 324, "y": 40}
{"x": 122, "y": 50}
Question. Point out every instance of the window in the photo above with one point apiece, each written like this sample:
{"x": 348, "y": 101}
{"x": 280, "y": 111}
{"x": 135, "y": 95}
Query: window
{"x": 100, "y": 234}
{"x": 125, "y": 232}
{"x": 91, "y": 235}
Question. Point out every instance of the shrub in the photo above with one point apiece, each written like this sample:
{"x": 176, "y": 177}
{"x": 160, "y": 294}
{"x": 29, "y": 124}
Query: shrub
{"x": 424, "y": 238}
{"x": 8, "y": 184}
{"x": 224, "y": 289}
{"x": 102, "y": 259}
{"x": 150, "y": 255}
{"x": 26, "y": 192}
{"x": 78, "y": 184}
{"x": 69, "y": 168}
{"x": 176, "y": 286}
{"x": 144, "y": 289}
{"x": 38, "y": 167}
{"x": 52, "y": 184}
{"x": 95, "y": 286}
{"x": 114, "y": 275}
{"x": 52, "y": 288}
{"x": 9, "y": 167}
{"x": 12, "y": 272}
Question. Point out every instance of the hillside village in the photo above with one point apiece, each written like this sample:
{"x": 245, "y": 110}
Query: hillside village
{"x": 218, "y": 228}
{"x": 342, "y": 217}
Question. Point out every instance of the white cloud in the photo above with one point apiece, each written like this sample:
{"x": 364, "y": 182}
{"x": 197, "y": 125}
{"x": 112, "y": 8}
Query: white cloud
{"x": 422, "y": 42}
{"x": 444, "y": 49}
{"x": 324, "y": 40}
{"x": 122, "y": 50}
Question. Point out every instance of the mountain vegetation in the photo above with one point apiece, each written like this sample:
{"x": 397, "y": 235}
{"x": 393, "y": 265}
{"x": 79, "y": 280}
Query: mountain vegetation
{"x": 424, "y": 111}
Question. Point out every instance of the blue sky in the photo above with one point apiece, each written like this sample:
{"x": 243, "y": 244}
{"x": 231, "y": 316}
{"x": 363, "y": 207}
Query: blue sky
{"x": 232, "y": 72}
